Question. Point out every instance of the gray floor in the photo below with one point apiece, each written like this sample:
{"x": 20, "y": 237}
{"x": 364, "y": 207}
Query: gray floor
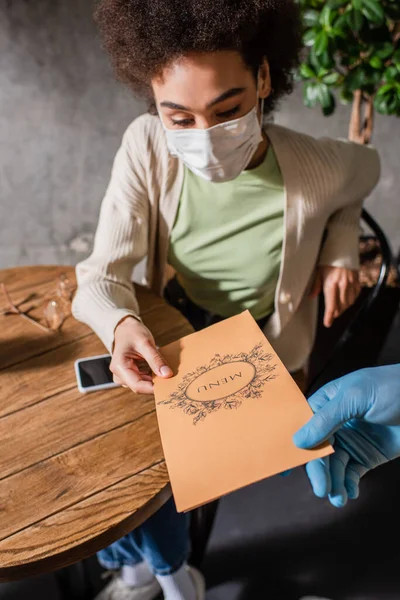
{"x": 33, "y": 589}
{"x": 276, "y": 541}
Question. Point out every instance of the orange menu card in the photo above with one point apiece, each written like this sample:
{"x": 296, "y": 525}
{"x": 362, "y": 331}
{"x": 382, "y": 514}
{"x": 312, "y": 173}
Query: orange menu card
{"x": 228, "y": 415}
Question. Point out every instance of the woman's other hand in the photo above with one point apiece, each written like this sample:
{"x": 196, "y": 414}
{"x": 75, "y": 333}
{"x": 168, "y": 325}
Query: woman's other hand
{"x": 135, "y": 356}
{"x": 341, "y": 288}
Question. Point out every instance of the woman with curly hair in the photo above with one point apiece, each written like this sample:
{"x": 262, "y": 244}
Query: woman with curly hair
{"x": 248, "y": 216}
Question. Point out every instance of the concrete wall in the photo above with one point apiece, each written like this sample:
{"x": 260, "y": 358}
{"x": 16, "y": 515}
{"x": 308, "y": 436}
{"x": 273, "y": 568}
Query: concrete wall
{"x": 62, "y": 116}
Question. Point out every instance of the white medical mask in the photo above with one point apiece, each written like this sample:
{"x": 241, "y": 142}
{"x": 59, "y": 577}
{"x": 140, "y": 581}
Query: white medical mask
{"x": 219, "y": 153}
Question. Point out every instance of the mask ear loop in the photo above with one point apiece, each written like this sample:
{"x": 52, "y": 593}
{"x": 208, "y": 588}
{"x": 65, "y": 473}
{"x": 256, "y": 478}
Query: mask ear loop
{"x": 258, "y": 98}
{"x": 262, "y": 112}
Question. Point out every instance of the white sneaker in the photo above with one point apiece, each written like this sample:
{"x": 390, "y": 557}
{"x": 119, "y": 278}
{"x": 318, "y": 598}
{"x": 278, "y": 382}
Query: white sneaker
{"x": 198, "y": 582}
{"x": 118, "y": 590}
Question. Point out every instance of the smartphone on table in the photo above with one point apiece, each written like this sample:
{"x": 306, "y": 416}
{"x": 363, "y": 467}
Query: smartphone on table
{"x": 93, "y": 374}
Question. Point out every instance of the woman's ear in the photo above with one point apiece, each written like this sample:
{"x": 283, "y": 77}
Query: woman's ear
{"x": 264, "y": 80}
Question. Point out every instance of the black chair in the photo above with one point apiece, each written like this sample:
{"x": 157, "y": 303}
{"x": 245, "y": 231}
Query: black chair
{"x": 201, "y": 524}
{"x": 356, "y": 339}
{"x": 332, "y": 356}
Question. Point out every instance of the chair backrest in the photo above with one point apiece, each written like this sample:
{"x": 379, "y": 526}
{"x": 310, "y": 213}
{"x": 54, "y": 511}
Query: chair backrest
{"x": 364, "y": 310}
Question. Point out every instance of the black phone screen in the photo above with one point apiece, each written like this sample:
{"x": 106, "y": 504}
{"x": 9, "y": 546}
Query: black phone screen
{"x": 95, "y": 371}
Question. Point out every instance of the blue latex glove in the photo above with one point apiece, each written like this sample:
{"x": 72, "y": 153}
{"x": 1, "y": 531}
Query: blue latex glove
{"x": 363, "y": 408}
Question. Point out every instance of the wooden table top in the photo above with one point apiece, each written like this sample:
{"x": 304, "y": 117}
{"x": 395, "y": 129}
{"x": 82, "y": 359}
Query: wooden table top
{"x": 77, "y": 472}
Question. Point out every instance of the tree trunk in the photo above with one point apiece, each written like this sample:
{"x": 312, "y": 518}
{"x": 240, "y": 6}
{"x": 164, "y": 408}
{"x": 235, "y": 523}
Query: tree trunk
{"x": 362, "y": 118}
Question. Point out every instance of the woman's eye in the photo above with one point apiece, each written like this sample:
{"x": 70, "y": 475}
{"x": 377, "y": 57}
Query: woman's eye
{"x": 221, "y": 115}
{"x": 229, "y": 113}
{"x": 183, "y": 122}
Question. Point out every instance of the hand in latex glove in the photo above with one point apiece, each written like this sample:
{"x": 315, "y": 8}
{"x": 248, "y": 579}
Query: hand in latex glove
{"x": 363, "y": 408}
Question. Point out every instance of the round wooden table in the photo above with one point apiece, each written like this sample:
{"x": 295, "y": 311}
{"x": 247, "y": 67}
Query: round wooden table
{"x": 77, "y": 471}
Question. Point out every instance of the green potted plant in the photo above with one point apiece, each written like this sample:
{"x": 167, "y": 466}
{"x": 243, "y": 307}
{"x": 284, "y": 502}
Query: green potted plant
{"x": 352, "y": 54}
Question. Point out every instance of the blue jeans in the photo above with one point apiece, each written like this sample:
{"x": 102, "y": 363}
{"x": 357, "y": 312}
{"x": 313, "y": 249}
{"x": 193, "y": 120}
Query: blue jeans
{"x": 162, "y": 541}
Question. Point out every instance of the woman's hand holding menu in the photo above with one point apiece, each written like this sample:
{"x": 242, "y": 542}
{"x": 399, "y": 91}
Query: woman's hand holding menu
{"x": 135, "y": 356}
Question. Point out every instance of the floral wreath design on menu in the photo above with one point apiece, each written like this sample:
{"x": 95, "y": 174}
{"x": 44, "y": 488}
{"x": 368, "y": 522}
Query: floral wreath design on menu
{"x": 204, "y": 391}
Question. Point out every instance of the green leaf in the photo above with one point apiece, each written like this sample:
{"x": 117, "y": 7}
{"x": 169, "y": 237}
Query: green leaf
{"x": 326, "y": 16}
{"x": 373, "y": 10}
{"x": 364, "y": 78}
{"x": 313, "y": 3}
{"x": 322, "y": 72}
{"x": 310, "y": 17}
{"x": 309, "y": 37}
{"x": 341, "y": 23}
{"x": 335, "y": 32}
{"x": 324, "y": 62}
{"x": 328, "y": 110}
{"x": 346, "y": 96}
{"x": 394, "y": 105}
{"x": 314, "y": 60}
{"x": 321, "y": 43}
{"x": 327, "y": 61}
{"x": 331, "y": 78}
{"x": 356, "y": 79}
{"x": 356, "y": 4}
{"x": 385, "y": 51}
{"x": 355, "y": 19}
{"x": 391, "y": 75}
{"x": 376, "y": 62}
{"x": 306, "y": 71}
{"x": 381, "y": 105}
{"x": 374, "y": 78}
{"x": 323, "y": 94}
{"x": 389, "y": 103}
{"x": 326, "y": 99}
{"x": 310, "y": 94}
{"x": 334, "y": 4}
{"x": 396, "y": 58}
{"x": 384, "y": 89}
{"x": 396, "y": 110}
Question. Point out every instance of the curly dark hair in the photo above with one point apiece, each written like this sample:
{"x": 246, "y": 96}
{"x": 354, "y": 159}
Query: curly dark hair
{"x": 144, "y": 36}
